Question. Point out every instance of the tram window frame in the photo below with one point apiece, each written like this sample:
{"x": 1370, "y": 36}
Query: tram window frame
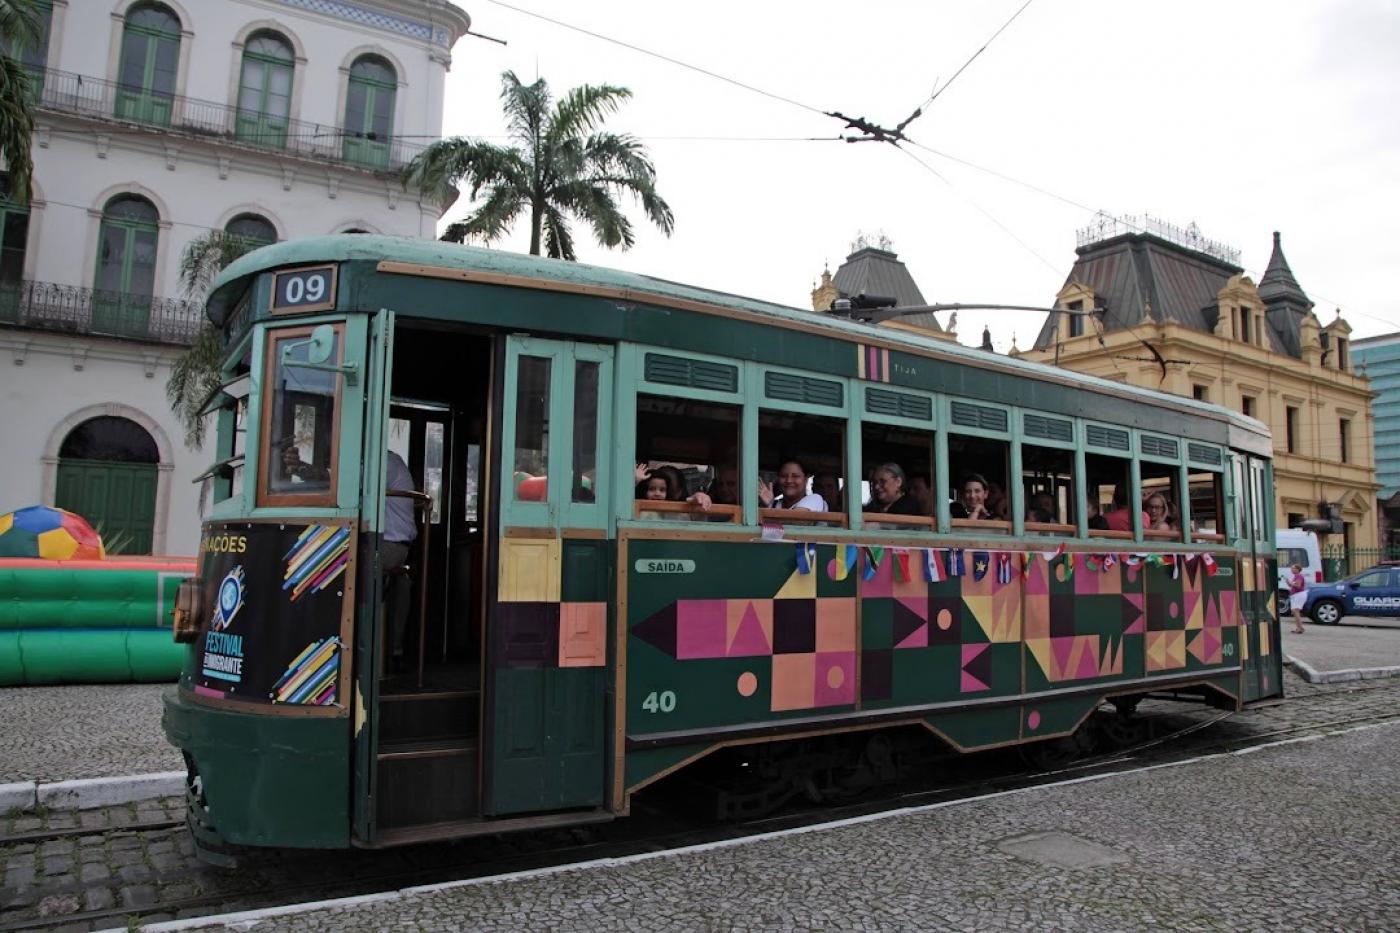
{"x": 926, "y": 520}
{"x": 326, "y": 497}
{"x": 542, "y": 408}
{"x": 1065, "y": 522}
{"x": 1093, "y": 459}
{"x": 1153, "y": 476}
{"x": 231, "y": 415}
{"x": 771, "y": 457}
{"x": 1196, "y": 477}
{"x": 640, "y": 510}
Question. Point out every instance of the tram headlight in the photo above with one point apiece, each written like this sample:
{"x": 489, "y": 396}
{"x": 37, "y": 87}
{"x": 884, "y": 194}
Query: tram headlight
{"x": 188, "y": 611}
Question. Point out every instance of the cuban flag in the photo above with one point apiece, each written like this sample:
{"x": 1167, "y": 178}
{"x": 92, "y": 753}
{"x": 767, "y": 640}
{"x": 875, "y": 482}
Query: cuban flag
{"x": 956, "y": 565}
{"x": 1003, "y": 568}
{"x": 933, "y": 566}
{"x": 980, "y": 561}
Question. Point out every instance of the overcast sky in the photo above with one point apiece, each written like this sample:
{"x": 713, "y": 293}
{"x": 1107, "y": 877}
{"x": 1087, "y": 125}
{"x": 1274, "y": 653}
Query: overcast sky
{"x": 1242, "y": 116}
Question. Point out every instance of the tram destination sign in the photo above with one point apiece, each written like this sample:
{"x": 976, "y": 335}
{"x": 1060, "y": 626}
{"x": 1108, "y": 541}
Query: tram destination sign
{"x": 275, "y": 594}
{"x": 310, "y": 288}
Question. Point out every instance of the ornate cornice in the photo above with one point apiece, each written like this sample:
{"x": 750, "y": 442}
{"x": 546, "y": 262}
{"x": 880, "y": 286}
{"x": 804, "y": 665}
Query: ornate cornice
{"x": 429, "y": 32}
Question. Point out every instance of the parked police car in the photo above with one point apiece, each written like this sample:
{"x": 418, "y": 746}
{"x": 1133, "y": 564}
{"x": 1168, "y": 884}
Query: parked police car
{"x": 1374, "y": 592}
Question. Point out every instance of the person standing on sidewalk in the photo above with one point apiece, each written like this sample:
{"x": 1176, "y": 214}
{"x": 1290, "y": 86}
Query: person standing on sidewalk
{"x": 1297, "y": 595}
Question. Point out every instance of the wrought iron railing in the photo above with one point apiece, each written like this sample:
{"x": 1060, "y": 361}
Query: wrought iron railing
{"x": 74, "y": 310}
{"x": 66, "y": 92}
{"x": 1340, "y": 561}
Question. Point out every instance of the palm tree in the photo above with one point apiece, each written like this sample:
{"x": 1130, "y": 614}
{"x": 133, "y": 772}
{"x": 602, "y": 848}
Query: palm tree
{"x": 19, "y": 25}
{"x": 195, "y": 374}
{"x": 559, "y": 166}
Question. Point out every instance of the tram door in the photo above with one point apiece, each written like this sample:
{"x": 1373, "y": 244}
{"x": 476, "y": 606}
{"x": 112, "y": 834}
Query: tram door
{"x": 547, "y": 632}
{"x": 1259, "y": 638}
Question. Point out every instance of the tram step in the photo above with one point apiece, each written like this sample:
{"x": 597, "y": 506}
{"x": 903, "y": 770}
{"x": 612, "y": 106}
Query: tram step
{"x": 426, "y": 782}
{"x": 423, "y": 717}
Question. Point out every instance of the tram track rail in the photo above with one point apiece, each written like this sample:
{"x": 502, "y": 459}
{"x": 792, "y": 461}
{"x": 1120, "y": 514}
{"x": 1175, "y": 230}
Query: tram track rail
{"x": 441, "y": 863}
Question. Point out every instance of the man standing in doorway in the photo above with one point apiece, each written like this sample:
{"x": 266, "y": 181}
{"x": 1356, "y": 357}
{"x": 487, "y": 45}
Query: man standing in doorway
{"x": 399, "y": 532}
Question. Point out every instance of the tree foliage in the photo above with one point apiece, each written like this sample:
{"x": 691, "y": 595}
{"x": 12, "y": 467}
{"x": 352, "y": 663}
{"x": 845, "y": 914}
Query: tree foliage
{"x": 559, "y": 167}
{"x": 19, "y": 24}
{"x": 195, "y": 375}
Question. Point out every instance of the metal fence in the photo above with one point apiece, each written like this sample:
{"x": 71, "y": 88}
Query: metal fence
{"x": 1339, "y": 561}
{"x": 74, "y": 310}
{"x": 66, "y": 92}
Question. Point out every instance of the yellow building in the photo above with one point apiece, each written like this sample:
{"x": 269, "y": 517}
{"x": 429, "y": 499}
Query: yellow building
{"x": 1170, "y": 310}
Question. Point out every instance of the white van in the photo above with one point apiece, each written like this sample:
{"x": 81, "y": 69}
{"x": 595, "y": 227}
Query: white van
{"x": 1296, "y": 546}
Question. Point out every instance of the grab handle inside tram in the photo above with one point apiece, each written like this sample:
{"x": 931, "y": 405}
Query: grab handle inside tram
{"x": 422, "y": 504}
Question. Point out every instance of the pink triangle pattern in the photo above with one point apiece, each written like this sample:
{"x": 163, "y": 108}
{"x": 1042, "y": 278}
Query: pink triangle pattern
{"x": 749, "y": 639}
{"x": 916, "y": 639}
{"x": 970, "y": 653}
{"x": 915, "y": 604}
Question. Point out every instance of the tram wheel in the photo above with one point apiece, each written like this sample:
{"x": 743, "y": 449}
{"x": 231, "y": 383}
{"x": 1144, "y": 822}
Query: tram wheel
{"x": 1123, "y": 730}
{"x": 1051, "y": 754}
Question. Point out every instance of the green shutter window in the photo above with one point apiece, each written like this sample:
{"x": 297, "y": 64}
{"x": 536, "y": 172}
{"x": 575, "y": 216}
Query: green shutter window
{"x": 1099, "y": 436}
{"x": 1158, "y": 446}
{"x": 696, "y": 374}
{"x": 253, "y": 228}
{"x": 790, "y": 388}
{"x": 1200, "y": 453}
{"x": 126, "y": 267}
{"x": 369, "y": 112}
{"x": 1051, "y": 429}
{"x": 150, "y": 58}
{"x": 14, "y": 237}
{"x": 34, "y": 56}
{"x": 265, "y": 91}
{"x": 982, "y": 417}
{"x": 898, "y": 404}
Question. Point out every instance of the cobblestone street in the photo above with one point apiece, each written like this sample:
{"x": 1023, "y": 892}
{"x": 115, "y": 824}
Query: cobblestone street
{"x": 1326, "y": 805}
{"x": 1298, "y": 836}
{"x": 94, "y": 730}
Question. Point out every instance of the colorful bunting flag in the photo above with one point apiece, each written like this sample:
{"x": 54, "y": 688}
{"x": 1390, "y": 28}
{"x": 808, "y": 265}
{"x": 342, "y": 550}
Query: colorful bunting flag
{"x": 980, "y": 562}
{"x": 806, "y": 558}
{"x": 1003, "y": 567}
{"x": 873, "y": 556}
{"x": 956, "y": 565}
{"x": 933, "y": 566}
{"x": 1209, "y": 561}
{"x": 900, "y": 567}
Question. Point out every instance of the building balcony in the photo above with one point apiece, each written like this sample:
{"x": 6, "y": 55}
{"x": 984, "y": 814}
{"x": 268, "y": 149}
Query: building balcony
{"x": 93, "y": 98}
{"x": 70, "y": 309}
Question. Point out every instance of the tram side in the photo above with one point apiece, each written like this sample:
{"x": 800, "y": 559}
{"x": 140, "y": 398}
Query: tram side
{"x": 567, "y": 646}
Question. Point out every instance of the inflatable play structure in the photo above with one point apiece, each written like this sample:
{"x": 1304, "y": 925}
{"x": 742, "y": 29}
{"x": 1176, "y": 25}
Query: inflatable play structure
{"x": 71, "y": 614}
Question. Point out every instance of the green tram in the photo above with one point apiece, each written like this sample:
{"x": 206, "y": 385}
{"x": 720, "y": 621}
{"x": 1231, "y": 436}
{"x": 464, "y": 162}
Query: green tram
{"x": 568, "y": 645}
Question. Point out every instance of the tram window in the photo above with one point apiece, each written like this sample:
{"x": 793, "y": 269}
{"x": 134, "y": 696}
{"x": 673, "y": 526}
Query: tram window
{"x": 432, "y": 467}
{"x": 585, "y": 430}
{"x": 1161, "y": 501}
{"x": 302, "y": 422}
{"x": 531, "y": 429}
{"x": 912, "y": 451}
{"x": 1241, "y": 500}
{"x": 1206, "y": 492}
{"x": 971, "y": 458}
{"x": 815, "y": 442}
{"x": 1047, "y": 487}
{"x": 1108, "y": 489}
{"x": 697, "y": 442}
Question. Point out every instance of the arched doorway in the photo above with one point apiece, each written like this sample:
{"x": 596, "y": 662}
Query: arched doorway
{"x": 108, "y": 468}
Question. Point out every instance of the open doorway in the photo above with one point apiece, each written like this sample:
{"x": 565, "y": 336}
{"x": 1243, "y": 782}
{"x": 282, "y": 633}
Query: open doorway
{"x": 429, "y": 722}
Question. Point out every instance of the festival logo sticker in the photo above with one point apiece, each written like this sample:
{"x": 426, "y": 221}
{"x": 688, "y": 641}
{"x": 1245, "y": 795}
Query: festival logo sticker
{"x": 230, "y": 599}
{"x": 316, "y": 560}
{"x": 311, "y": 677}
{"x": 223, "y": 652}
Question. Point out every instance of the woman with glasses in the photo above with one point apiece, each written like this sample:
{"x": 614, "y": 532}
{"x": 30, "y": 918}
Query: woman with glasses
{"x": 1159, "y": 513}
{"x": 887, "y": 492}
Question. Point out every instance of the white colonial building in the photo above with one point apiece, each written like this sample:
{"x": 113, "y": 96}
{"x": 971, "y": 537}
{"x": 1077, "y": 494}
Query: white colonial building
{"x": 157, "y": 121}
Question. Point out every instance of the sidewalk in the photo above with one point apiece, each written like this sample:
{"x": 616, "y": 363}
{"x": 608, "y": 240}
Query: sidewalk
{"x": 1357, "y": 649}
{"x": 84, "y": 745}
{"x": 1299, "y": 835}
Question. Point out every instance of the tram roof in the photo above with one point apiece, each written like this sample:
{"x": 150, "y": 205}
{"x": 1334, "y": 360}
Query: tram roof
{"x": 228, "y": 288}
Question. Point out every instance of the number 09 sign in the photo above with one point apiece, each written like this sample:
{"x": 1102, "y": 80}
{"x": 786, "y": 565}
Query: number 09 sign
{"x": 311, "y": 288}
